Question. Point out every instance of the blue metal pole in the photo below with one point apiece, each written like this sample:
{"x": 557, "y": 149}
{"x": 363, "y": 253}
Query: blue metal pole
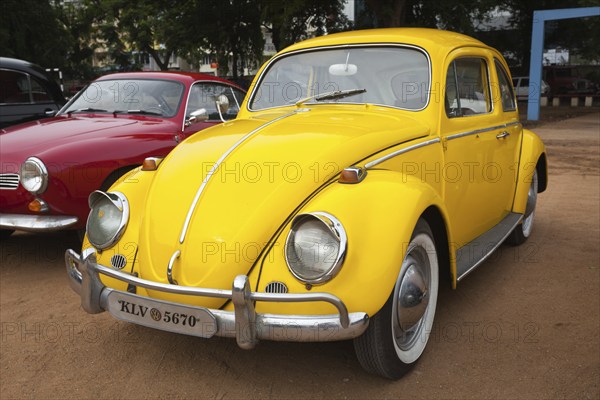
{"x": 535, "y": 67}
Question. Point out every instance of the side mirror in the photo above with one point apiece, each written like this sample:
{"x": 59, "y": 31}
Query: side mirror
{"x": 222, "y": 103}
{"x": 196, "y": 116}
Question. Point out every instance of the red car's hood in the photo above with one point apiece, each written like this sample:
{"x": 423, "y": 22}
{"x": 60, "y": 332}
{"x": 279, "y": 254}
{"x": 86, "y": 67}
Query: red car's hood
{"x": 34, "y": 138}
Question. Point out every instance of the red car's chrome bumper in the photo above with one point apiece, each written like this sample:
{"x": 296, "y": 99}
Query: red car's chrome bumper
{"x": 36, "y": 223}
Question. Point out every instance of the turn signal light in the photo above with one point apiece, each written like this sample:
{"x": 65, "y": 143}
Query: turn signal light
{"x": 38, "y": 205}
{"x": 151, "y": 163}
{"x": 352, "y": 175}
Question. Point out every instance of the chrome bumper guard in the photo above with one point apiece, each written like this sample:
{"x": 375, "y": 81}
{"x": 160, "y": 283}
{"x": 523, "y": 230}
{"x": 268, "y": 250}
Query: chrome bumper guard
{"x": 243, "y": 323}
{"x": 36, "y": 223}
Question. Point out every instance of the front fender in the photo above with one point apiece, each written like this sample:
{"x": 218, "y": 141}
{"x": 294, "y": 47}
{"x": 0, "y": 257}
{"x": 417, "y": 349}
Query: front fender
{"x": 135, "y": 186}
{"x": 379, "y": 215}
{"x": 533, "y": 157}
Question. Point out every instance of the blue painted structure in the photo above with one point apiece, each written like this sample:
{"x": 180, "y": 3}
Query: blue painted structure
{"x": 537, "y": 50}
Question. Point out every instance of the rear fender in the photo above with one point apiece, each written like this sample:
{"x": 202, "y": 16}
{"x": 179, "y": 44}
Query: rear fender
{"x": 533, "y": 158}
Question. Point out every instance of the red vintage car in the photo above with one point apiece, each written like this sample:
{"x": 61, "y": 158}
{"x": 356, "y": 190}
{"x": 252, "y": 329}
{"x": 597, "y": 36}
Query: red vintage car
{"x": 48, "y": 168}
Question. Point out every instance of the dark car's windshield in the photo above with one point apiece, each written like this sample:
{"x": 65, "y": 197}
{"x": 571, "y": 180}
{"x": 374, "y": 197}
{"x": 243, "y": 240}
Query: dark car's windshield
{"x": 384, "y": 75}
{"x": 134, "y": 96}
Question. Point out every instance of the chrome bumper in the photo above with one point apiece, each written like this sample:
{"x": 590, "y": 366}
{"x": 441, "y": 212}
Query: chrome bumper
{"x": 243, "y": 323}
{"x": 36, "y": 223}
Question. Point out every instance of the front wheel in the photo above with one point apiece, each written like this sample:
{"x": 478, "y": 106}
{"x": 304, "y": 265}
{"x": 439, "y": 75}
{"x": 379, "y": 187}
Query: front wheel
{"x": 398, "y": 333}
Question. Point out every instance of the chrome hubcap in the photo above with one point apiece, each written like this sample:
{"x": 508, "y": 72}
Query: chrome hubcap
{"x": 530, "y": 207}
{"x": 412, "y": 298}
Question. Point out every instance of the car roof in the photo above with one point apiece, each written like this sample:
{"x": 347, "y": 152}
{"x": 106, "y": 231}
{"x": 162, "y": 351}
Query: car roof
{"x": 181, "y": 76}
{"x": 427, "y": 38}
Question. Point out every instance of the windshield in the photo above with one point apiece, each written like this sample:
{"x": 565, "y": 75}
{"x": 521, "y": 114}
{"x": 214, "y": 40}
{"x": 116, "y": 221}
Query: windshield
{"x": 159, "y": 98}
{"x": 384, "y": 75}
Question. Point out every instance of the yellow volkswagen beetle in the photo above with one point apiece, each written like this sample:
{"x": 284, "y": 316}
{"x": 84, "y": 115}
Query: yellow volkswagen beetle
{"x": 363, "y": 169}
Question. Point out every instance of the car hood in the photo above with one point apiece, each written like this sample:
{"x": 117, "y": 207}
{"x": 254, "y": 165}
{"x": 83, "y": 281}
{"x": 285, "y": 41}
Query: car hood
{"x": 269, "y": 165}
{"x": 35, "y": 138}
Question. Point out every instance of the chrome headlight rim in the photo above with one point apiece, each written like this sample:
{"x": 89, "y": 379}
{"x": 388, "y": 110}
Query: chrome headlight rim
{"x": 336, "y": 228}
{"x": 42, "y": 173}
{"x": 119, "y": 200}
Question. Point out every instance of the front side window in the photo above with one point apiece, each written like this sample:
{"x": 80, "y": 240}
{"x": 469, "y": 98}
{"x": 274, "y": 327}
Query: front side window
{"x": 506, "y": 90}
{"x": 467, "y": 88}
{"x": 154, "y": 97}
{"x": 383, "y": 75}
{"x": 205, "y": 96}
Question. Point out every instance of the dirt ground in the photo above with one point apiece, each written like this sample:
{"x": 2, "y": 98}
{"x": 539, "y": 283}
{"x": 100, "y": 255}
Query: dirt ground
{"x": 525, "y": 325}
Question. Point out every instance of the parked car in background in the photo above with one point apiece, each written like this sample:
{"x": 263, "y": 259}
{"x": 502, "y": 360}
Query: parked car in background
{"x": 521, "y": 85}
{"x": 48, "y": 168}
{"x": 27, "y": 92}
{"x": 568, "y": 80}
{"x": 364, "y": 169}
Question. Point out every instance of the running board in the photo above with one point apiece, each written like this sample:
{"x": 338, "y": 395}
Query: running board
{"x": 471, "y": 255}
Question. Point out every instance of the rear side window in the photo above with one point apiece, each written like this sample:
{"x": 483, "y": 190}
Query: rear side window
{"x": 506, "y": 90}
{"x": 20, "y": 88}
{"x": 467, "y": 88}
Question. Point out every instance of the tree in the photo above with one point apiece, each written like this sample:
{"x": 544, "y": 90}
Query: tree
{"x": 228, "y": 29}
{"x": 30, "y": 30}
{"x": 77, "y": 22}
{"x": 293, "y": 20}
{"x": 455, "y": 15}
{"x": 151, "y": 26}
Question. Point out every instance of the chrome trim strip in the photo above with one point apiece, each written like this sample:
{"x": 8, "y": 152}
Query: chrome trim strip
{"x": 9, "y": 181}
{"x": 84, "y": 279}
{"x": 174, "y": 257}
{"x": 484, "y": 244}
{"x": 36, "y": 223}
{"x": 342, "y": 46}
{"x": 483, "y": 130}
{"x": 216, "y": 165}
{"x": 396, "y": 153}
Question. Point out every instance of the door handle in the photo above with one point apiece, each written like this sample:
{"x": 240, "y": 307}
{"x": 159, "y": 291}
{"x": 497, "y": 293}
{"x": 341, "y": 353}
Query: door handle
{"x": 502, "y": 135}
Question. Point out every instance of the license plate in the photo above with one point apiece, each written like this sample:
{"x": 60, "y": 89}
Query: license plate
{"x": 158, "y": 314}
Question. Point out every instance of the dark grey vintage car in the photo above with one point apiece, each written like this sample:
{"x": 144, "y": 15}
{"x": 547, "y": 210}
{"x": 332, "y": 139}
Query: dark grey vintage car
{"x": 27, "y": 92}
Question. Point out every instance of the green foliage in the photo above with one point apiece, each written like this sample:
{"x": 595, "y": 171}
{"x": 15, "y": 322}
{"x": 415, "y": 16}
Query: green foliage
{"x": 290, "y": 21}
{"x": 31, "y": 30}
{"x": 229, "y": 29}
{"x": 55, "y": 33}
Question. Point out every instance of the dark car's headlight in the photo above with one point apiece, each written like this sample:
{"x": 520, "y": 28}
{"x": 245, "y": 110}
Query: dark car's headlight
{"x": 108, "y": 218}
{"x": 34, "y": 175}
{"x": 315, "y": 247}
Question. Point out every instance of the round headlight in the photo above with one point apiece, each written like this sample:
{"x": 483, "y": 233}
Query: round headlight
{"x": 108, "y": 218}
{"x": 315, "y": 247}
{"x": 34, "y": 175}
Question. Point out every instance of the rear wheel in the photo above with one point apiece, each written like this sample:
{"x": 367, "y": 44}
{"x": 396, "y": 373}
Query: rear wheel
{"x": 398, "y": 333}
{"x": 522, "y": 231}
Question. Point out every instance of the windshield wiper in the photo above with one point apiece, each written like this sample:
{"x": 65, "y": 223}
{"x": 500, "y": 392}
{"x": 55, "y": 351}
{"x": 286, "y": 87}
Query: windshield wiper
{"x": 149, "y": 112}
{"x": 87, "y": 109}
{"x": 336, "y": 94}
